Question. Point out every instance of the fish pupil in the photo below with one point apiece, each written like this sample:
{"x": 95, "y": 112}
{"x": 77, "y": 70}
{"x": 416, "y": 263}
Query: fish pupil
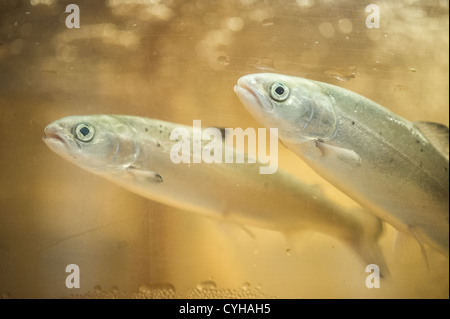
{"x": 85, "y": 131}
{"x": 279, "y": 90}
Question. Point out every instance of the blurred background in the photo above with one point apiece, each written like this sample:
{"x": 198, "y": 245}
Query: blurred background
{"x": 178, "y": 60}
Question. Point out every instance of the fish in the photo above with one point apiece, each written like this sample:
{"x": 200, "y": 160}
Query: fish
{"x": 395, "y": 168}
{"x": 134, "y": 152}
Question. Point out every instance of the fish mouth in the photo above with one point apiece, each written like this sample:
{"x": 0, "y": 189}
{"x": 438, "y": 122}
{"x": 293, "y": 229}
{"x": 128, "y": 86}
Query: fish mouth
{"x": 247, "y": 92}
{"x": 56, "y": 140}
{"x": 53, "y": 137}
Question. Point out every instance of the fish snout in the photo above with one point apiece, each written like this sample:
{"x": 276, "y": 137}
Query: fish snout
{"x": 56, "y": 139}
{"x": 53, "y": 131}
{"x": 249, "y": 92}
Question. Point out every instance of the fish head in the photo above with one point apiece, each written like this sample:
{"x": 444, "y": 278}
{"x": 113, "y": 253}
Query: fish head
{"x": 301, "y": 109}
{"x": 94, "y": 142}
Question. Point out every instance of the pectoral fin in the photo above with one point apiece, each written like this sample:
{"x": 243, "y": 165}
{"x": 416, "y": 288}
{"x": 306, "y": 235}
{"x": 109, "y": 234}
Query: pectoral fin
{"x": 150, "y": 176}
{"x": 348, "y": 157}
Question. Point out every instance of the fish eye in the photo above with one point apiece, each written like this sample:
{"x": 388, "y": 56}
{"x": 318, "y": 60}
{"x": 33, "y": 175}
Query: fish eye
{"x": 279, "y": 92}
{"x": 84, "y": 132}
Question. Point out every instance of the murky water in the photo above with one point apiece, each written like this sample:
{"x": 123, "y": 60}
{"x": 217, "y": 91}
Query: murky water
{"x": 178, "y": 61}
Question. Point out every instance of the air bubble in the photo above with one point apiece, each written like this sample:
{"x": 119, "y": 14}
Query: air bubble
{"x": 345, "y": 26}
{"x": 235, "y": 24}
{"x": 305, "y": 3}
{"x": 326, "y": 30}
{"x": 342, "y": 74}
{"x": 115, "y": 290}
{"x": 223, "y": 60}
{"x": 145, "y": 289}
{"x": 267, "y": 23}
{"x": 206, "y": 285}
{"x": 98, "y": 289}
{"x": 246, "y": 286}
{"x": 155, "y": 291}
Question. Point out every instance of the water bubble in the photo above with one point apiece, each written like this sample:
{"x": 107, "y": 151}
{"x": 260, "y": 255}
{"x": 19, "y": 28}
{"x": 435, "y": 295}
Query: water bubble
{"x": 235, "y": 24}
{"x": 342, "y": 74}
{"x": 156, "y": 291}
{"x": 326, "y": 30}
{"x": 115, "y": 290}
{"x": 305, "y": 3}
{"x": 246, "y": 286}
{"x": 219, "y": 37}
{"x": 144, "y": 289}
{"x": 267, "y": 23}
{"x": 247, "y": 2}
{"x": 223, "y": 60}
{"x": 98, "y": 289}
{"x": 44, "y": 2}
{"x": 261, "y": 14}
{"x": 345, "y": 26}
{"x": 165, "y": 287}
{"x": 161, "y": 11}
{"x": 206, "y": 285}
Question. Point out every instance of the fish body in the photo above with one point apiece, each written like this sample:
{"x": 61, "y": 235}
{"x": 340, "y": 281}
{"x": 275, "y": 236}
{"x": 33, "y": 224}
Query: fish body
{"x": 395, "y": 168}
{"x": 134, "y": 152}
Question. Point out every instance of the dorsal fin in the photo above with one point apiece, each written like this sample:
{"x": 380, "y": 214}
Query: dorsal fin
{"x": 436, "y": 133}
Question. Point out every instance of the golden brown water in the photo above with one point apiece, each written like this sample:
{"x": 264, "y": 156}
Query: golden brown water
{"x": 178, "y": 61}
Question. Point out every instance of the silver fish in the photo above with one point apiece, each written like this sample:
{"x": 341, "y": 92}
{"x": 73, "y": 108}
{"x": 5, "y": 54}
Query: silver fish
{"x": 134, "y": 152}
{"x": 395, "y": 168}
